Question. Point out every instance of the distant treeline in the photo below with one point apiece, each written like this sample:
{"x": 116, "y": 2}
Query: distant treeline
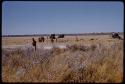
{"x": 79, "y": 34}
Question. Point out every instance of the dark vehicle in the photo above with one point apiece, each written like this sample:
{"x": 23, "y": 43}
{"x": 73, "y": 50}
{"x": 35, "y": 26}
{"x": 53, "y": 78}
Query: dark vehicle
{"x": 61, "y": 36}
{"x": 116, "y": 35}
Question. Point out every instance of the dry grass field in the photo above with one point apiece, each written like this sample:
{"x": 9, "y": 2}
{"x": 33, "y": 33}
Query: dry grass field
{"x": 90, "y": 59}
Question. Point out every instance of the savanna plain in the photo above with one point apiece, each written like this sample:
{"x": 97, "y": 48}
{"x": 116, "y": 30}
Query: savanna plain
{"x": 82, "y": 59}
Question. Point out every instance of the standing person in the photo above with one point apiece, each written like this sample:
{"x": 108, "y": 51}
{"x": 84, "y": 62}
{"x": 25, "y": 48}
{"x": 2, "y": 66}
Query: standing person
{"x": 76, "y": 38}
{"x": 52, "y": 40}
{"x": 34, "y": 43}
{"x": 47, "y": 38}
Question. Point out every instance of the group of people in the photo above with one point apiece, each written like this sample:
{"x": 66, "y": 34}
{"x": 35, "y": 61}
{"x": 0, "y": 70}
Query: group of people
{"x": 42, "y": 39}
{"x": 52, "y": 38}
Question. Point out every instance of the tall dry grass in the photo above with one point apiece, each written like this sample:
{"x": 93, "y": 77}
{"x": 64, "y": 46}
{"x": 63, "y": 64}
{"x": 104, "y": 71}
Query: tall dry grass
{"x": 81, "y": 63}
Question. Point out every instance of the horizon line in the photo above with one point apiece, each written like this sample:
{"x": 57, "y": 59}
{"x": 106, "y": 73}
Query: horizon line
{"x": 57, "y": 34}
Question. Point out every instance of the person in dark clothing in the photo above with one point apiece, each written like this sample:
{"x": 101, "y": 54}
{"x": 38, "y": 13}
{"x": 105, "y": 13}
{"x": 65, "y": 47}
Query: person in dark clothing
{"x": 34, "y": 43}
{"x": 52, "y": 37}
{"x": 42, "y": 38}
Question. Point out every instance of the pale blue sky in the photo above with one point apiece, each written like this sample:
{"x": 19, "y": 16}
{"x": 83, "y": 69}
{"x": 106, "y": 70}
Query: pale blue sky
{"x": 21, "y": 17}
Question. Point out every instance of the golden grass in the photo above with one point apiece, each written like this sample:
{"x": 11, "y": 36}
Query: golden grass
{"x": 100, "y": 62}
{"x": 67, "y": 39}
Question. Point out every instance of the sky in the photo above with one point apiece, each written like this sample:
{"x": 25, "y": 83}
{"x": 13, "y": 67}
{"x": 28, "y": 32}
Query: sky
{"x": 46, "y": 17}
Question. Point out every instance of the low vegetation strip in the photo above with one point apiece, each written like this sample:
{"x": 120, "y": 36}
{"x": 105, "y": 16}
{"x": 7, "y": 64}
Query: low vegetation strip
{"x": 94, "y": 63}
